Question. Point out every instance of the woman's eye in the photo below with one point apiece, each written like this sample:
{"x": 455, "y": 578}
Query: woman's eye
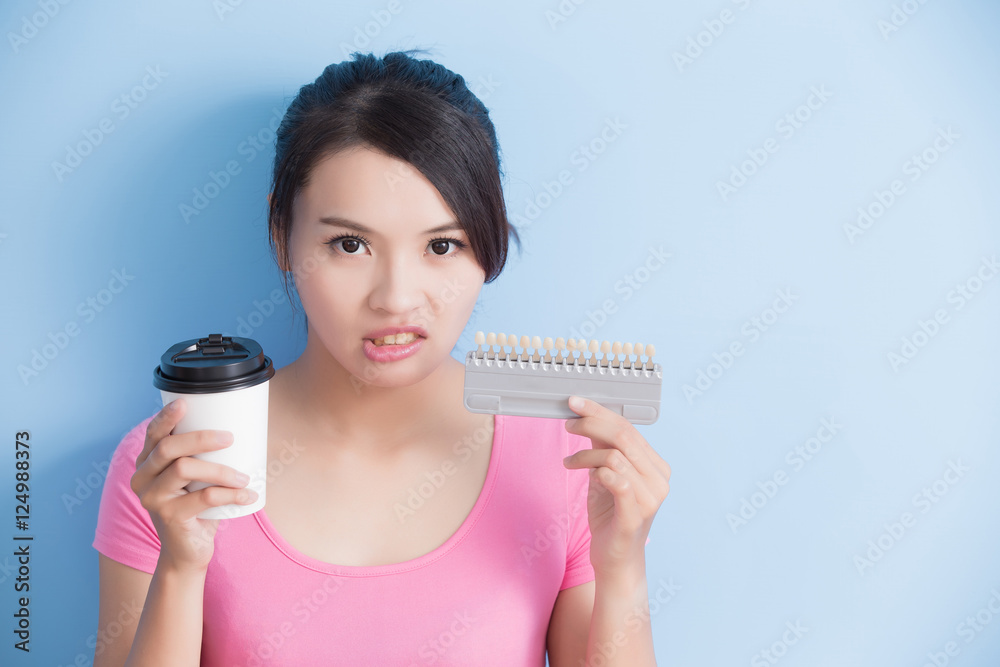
{"x": 349, "y": 245}
{"x": 440, "y": 246}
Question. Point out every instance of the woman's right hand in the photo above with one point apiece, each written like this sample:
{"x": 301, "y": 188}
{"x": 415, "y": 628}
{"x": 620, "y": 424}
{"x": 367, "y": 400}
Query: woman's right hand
{"x": 162, "y": 470}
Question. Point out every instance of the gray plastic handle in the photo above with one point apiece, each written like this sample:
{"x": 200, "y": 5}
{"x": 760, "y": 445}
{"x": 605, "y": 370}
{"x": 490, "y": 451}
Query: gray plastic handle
{"x": 539, "y": 389}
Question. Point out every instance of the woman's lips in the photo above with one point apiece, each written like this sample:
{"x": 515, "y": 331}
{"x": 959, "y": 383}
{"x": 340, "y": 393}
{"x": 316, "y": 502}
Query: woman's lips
{"x": 392, "y": 352}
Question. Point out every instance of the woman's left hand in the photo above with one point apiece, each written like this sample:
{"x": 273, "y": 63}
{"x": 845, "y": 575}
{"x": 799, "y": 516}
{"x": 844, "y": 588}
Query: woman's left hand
{"x": 628, "y": 483}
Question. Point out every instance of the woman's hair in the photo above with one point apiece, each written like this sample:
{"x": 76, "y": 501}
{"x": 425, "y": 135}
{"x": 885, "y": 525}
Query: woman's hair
{"x": 415, "y": 110}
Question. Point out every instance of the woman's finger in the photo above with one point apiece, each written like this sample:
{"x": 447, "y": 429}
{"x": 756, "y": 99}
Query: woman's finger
{"x": 614, "y": 461}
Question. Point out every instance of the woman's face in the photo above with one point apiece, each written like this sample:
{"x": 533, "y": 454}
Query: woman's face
{"x": 399, "y": 270}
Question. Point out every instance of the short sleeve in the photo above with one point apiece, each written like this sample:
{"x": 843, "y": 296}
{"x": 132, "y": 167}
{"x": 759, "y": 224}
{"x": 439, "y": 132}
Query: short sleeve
{"x": 125, "y": 531}
{"x": 578, "y": 567}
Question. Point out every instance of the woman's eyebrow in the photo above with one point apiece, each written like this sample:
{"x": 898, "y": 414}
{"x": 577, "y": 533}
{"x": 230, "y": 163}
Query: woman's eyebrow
{"x": 358, "y": 227}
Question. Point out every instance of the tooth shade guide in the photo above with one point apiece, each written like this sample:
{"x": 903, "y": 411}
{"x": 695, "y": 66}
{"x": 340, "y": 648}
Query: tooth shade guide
{"x": 527, "y": 381}
{"x": 567, "y": 353}
{"x": 480, "y": 339}
{"x": 572, "y": 345}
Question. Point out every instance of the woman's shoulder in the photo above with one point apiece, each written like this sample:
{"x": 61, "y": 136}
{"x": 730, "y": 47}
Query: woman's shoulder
{"x": 131, "y": 444}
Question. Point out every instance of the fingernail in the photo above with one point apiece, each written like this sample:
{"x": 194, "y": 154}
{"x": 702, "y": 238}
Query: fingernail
{"x": 224, "y": 437}
{"x": 242, "y": 478}
{"x": 575, "y": 402}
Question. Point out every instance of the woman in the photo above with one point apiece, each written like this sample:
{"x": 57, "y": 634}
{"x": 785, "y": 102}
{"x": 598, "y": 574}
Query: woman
{"x": 400, "y": 529}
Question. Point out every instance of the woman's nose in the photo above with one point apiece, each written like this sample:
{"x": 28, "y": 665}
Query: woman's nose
{"x": 397, "y": 288}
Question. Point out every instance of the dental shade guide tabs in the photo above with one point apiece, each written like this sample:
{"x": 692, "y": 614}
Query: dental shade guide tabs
{"x": 538, "y": 380}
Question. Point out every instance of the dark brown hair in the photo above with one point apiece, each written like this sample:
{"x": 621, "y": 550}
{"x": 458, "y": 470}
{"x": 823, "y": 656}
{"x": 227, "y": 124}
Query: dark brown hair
{"x": 414, "y": 110}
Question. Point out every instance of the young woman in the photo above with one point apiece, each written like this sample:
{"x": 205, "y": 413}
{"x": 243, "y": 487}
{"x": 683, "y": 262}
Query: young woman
{"x": 400, "y": 529}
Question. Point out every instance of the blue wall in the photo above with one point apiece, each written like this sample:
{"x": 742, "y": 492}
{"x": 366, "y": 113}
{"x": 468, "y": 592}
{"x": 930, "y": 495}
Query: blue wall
{"x": 822, "y": 175}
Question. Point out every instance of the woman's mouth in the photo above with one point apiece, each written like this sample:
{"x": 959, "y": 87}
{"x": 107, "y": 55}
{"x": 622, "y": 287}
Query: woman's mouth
{"x": 397, "y": 339}
{"x": 393, "y": 348}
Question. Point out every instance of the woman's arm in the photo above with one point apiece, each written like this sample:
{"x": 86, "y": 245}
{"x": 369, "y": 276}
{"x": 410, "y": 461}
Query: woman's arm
{"x": 628, "y": 483}
{"x": 169, "y": 631}
{"x": 148, "y": 619}
{"x": 620, "y": 629}
{"x": 602, "y": 622}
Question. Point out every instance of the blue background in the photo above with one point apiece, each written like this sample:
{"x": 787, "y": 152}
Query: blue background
{"x": 722, "y": 590}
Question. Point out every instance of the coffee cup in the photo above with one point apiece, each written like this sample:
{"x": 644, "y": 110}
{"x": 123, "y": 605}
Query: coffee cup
{"x": 224, "y": 381}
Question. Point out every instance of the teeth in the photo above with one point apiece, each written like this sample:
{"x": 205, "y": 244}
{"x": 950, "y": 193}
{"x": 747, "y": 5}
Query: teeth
{"x": 566, "y": 351}
{"x": 397, "y": 339}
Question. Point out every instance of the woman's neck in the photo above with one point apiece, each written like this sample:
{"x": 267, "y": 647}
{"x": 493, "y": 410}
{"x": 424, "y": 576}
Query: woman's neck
{"x": 330, "y": 403}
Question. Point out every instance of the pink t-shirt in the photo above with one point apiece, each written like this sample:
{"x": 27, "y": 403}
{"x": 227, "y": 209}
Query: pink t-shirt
{"x": 482, "y": 598}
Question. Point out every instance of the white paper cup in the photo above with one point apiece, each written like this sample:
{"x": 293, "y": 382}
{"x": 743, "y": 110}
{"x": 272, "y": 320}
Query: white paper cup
{"x": 224, "y": 381}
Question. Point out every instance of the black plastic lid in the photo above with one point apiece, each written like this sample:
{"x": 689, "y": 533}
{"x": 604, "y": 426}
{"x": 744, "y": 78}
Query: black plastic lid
{"x": 212, "y": 364}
